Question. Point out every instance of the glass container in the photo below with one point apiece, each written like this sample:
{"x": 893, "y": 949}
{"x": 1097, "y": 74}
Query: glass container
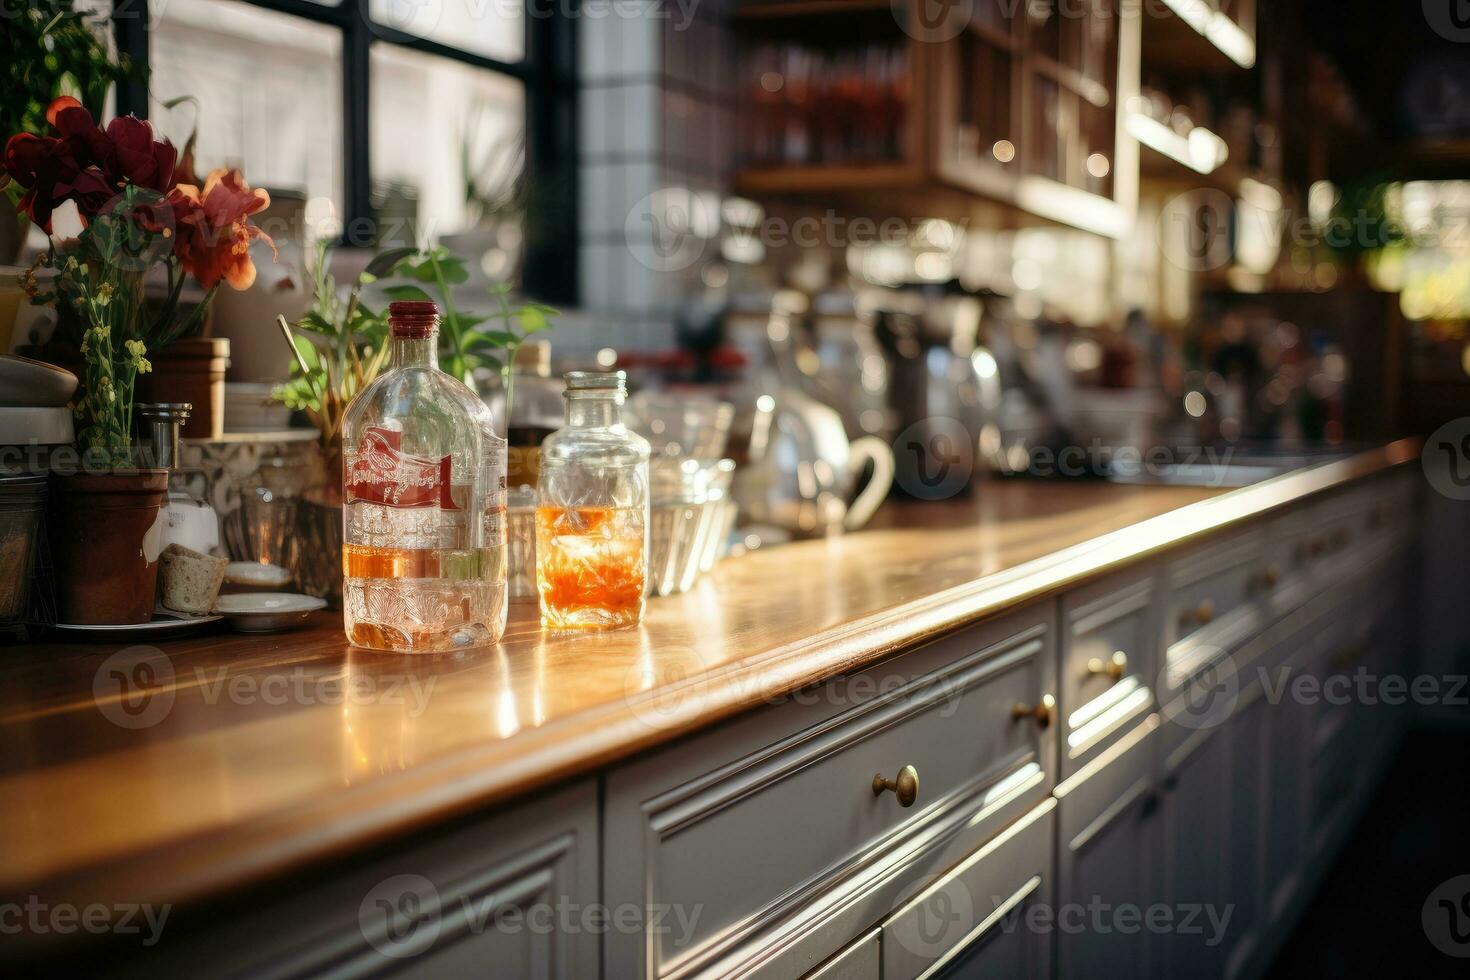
{"x": 592, "y": 511}
{"x": 423, "y": 555}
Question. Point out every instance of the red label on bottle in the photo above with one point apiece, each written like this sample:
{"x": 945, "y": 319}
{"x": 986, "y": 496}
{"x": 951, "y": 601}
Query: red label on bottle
{"x": 382, "y": 473}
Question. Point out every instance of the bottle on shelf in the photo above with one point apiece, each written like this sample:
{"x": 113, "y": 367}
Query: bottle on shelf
{"x": 535, "y": 411}
{"x": 592, "y": 511}
{"x": 423, "y": 554}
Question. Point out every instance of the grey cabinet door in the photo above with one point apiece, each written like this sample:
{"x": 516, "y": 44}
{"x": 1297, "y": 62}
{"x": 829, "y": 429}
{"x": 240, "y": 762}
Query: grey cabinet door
{"x": 1105, "y": 863}
{"x": 981, "y": 919}
{"x": 1250, "y": 773}
{"x": 509, "y": 894}
{"x": 1194, "y": 833}
{"x": 769, "y": 827}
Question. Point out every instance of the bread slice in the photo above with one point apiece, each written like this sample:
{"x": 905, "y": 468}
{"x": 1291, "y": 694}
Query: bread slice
{"x": 190, "y": 580}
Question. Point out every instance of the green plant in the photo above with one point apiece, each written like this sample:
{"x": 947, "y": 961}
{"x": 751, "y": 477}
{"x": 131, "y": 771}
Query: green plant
{"x": 339, "y": 346}
{"x": 467, "y": 340}
{"x": 50, "y": 48}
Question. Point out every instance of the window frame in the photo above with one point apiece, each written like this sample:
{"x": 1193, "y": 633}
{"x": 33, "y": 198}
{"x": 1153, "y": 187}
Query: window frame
{"x": 547, "y": 72}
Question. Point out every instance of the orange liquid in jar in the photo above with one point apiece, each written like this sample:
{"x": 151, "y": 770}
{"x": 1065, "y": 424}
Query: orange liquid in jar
{"x": 591, "y": 569}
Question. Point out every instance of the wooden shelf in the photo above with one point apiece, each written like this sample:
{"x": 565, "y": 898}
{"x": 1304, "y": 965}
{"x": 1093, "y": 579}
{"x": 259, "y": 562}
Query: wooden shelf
{"x": 1162, "y": 168}
{"x": 775, "y": 9}
{"x": 1173, "y": 47}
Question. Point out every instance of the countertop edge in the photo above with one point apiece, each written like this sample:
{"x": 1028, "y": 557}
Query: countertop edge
{"x": 476, "y": 778}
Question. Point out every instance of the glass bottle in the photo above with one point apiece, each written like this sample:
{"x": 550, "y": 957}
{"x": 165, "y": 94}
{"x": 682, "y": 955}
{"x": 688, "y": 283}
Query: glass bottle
{"x": 536, "y": 409}
{"x": 592, "y": 511}
{"x": 423, "y": 556}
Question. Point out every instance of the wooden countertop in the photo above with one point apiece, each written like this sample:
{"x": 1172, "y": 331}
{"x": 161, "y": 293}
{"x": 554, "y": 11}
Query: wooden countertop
{"x": 247, "y": 756}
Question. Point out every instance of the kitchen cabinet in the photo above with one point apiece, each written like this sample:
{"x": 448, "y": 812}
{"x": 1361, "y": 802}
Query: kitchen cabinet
{"x": 996, "y": 793}
{"x": 1026, "y": 106}
{"x": 1105, "y": 861}
{"x": 787, "y": 808}
{"x": 1193, "y": 836}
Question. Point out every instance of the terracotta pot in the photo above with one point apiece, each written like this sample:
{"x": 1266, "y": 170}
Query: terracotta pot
{"x": 193, "y": 371}
{"x": 108, "y": 536}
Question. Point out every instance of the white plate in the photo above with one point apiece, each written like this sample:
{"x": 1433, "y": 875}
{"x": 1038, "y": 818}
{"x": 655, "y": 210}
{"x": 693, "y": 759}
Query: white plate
{"x": 163, "y": 624}
{"x": 267, "y": 612}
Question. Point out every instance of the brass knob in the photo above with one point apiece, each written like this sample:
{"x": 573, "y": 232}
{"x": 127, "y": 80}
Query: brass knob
{"x": 1041, "y": 712}
{"x": 1271, "y": 576}
{"x": 905, "y": 785}
{"x": 1201, "y": 614}
{"x": 1114, "y": 666}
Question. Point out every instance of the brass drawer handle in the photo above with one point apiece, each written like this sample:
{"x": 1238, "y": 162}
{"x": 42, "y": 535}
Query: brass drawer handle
{"x": 1271, "y": 576}
{"x": 1114, "y": 667}
{"x": 1201, "y": 614}
{"x": 1041, "y": 712}
{"x": 905, "y": 786}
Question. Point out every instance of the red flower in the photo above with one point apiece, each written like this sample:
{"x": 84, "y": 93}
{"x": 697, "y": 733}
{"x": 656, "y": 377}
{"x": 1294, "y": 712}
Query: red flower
{"x": 82, "y": 163}
{"x": 212, "y": 233}
{"x": 137, "y": 157}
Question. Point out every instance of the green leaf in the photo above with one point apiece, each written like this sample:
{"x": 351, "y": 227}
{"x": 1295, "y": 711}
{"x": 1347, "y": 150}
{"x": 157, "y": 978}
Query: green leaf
{"x": 308, "y": 353}
{"x": 533, "y": 320}
{"x": 386, "y": 261}
{"x": 408, "y": 293}
{"x": 454, "y": 271}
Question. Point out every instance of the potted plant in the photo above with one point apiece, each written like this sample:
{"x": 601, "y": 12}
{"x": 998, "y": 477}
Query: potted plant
{"x": 144, "y": 217}
{"x": 338, "y": 347}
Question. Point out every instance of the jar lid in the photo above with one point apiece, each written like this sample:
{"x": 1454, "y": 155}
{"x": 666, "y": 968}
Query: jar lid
{"x": 596, "y": 380}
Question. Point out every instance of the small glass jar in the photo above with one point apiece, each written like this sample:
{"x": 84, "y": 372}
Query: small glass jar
{"x": 592, "y": 511}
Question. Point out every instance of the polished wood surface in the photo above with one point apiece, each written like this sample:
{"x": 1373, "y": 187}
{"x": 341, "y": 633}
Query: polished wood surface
{"x": 234, "y": 758}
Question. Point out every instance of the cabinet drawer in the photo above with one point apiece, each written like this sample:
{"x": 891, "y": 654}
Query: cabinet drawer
{"x": 1108, "y": 663}
{"x": 1210, "y": 602}
{"x": 981, "y": 902}
{"x": 488, "y": 896}
{"x": 759, "y": 823}
{"x": 860, "y": 961}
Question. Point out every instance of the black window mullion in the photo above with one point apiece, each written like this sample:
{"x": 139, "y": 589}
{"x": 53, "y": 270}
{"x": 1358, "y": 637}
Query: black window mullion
{"x": 130, "y": 34}
{"x": 359, "y": 227}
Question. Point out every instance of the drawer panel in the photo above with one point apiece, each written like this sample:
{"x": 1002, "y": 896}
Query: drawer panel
{"x": 1208, "y": 586}
{"x": 756, "y": 823}
{"x": 860, "y": 961}
{"x": 980, "y": 903}
{"x": 486, "y": 896}
{"x": 1108, "y": 663}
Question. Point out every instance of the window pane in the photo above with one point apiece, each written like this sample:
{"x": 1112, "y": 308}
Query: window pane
{"x": 493, "y": 28}
{"x": 439, "y": 126}
{"x": 269, "y": 91}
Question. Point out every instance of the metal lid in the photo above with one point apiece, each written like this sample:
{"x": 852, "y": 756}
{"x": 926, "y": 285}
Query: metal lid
{"x": 165, "y": 411}
{"x": 596, "y": 380}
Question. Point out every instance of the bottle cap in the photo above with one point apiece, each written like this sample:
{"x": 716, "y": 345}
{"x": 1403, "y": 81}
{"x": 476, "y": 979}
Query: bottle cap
{"x": 412, "y": 319}
{"x": 596, "y": 380}
{"x": 534, "y": 356}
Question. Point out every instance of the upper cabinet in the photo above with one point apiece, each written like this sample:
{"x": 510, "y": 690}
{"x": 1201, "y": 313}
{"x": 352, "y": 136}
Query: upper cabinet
{"x": 943, "y": 104}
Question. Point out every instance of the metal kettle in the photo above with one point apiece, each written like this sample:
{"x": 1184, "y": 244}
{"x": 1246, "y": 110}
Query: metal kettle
{"x": 802, "y": 472}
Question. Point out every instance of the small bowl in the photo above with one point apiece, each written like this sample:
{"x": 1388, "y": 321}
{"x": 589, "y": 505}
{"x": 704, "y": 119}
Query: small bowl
{"x": 267, "y": 612}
